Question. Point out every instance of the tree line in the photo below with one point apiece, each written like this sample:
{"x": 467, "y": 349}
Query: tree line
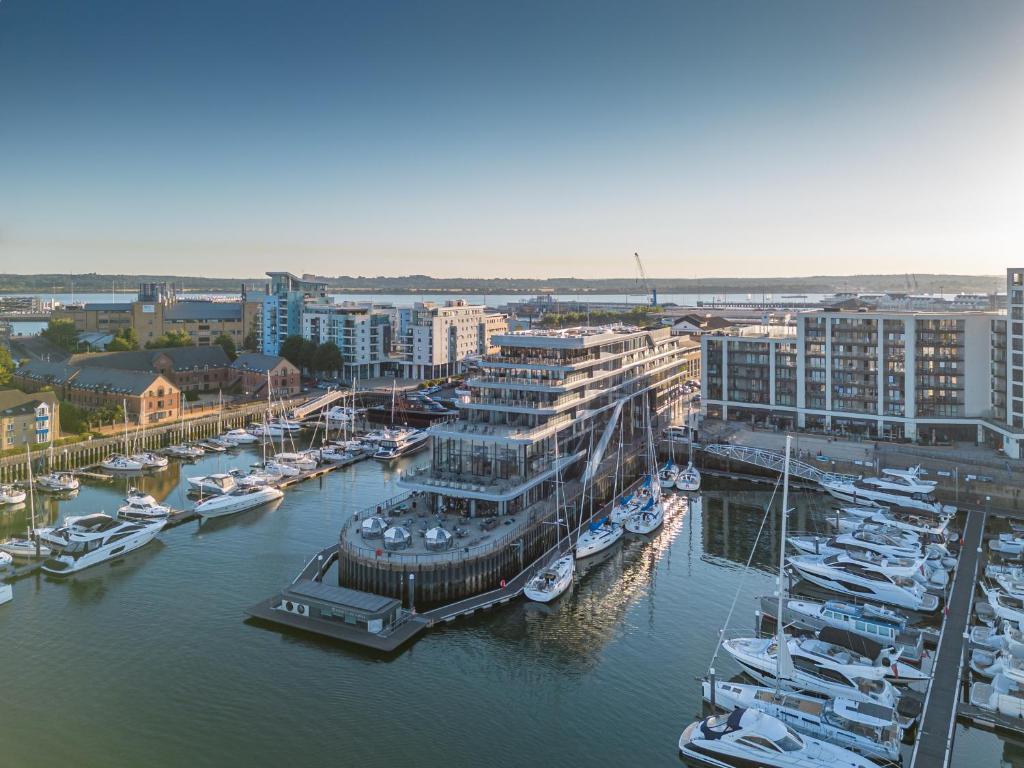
{"x": 309, "y": 356}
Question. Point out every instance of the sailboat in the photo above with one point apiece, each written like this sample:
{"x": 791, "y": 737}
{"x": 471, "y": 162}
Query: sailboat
{"x": 147, "y": 459}
{"x": 30, "y": 546}
{"x": 689, "y": 477}
{"x": 56, "y": 482}
{"x": 122, "y": 462}
{"x": 651, "y": 513}
{"x": 599, "y": 535}
{"x": 183, "y": 450}
{"x": 555, "y": 578}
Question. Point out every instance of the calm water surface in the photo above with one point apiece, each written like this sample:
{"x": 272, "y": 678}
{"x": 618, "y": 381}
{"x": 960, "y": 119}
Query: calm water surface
{"x": 148, "y": 661}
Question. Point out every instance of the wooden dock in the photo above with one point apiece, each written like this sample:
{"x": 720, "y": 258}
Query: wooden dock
{"x": 934, "y": 745}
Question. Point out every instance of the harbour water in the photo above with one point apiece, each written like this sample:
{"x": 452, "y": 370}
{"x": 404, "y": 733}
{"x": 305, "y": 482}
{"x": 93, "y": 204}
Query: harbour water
{"x": 148, "y": 661}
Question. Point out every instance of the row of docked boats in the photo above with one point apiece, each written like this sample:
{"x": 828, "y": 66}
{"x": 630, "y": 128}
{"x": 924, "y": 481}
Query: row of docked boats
{"x": 831, "y": 684}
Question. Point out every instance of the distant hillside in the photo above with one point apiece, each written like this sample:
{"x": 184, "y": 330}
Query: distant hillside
{"x": 10, "y": 283}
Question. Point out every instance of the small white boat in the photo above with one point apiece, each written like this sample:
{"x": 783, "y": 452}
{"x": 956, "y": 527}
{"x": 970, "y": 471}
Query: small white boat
{"x": 598, "y": 537}
{"x": 1008, "y": 544}
{"x": 333, "y": 454}
{"x": 257, "y": 478}
{"x": 689, "y": 479}
{"x": 57, "y": 482}
{"x": 551, "y": 581}
{"x": 1002, "y": 695}
{"x": 211, "y": 446}
{"x": 119, "y": 463}
{"x": 24, "y": 549}
{"x": 6, "y": 593}
{"x": 95, "y": 539}
{"x": 149, "y": 460}
{"x": 239, "y": 500}
{"x": 11, "y": 495}
{"x": 279, "y": 468}
{"x": 5, "y": 560}
{"x": 142, "y": 507}
{"x": 239, "y": 437}
{"x": 216, "y": 484}
{"x": 1005, "y": 637}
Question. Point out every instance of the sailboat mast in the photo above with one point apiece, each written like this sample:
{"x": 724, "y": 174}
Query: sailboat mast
{"x": 780, "y": 624}
{"x": 124, "y": 407}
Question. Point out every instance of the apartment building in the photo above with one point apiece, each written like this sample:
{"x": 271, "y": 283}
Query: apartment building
{"x": 283, "y": 307}
{"x": 362, "y": 331}
{"x": 157, "y": 310}
{"x": 918, "y": 375}
{"x": 435, "y": 340}
{"x": 28, "y": 418}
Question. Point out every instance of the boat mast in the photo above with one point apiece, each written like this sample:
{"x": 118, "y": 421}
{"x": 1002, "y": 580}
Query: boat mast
{"x": 784, "y": 664}
{"x": 31, "y": 498}
{"x": 124, "y": 407}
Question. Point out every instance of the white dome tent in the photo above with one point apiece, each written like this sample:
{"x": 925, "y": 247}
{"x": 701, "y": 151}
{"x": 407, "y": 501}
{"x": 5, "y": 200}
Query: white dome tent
{"x": 397, "y": 538}
{"x": 438, "y": 539}
{"x": 373, "y": 527}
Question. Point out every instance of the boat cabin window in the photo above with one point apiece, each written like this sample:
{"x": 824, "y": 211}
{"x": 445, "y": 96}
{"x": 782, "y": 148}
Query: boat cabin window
{"x": 789, "y": 743}
{"x": 759, "y": 742}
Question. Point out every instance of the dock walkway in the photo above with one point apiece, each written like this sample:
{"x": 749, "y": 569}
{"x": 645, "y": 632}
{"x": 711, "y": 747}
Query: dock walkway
{"x": 935, "y": 735}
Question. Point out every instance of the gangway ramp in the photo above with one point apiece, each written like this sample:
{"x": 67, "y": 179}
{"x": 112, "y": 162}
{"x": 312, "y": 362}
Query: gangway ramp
{"x": 775, "y": 462}
{"x": 316, "y": 403}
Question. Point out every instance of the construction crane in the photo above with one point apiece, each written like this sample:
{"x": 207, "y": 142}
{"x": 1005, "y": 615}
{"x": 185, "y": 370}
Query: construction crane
{"x": 651, "y": 292}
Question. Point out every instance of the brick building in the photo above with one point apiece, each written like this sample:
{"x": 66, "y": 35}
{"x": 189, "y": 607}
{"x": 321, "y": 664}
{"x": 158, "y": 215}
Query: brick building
{"x": 252, "y": 369}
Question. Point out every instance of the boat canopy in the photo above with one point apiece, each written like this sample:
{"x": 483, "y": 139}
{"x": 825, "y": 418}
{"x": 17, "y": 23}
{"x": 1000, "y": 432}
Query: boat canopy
{"x": 599, "y": 524}
{"x": 860, "y": 645}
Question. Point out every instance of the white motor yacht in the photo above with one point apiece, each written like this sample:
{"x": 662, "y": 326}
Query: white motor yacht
{"x": 95, "y": 539}
{"x": 598, "y": 537}
{"x": 865, "y": 581}
{"x": 257, "y": 478}
{"x": 215, "y": 484}
{"x": 896, "y": 487}
{"x": 119, "y": 463}
{"x": 239, "y": 500}
{"x": 213, "y": 445}
{"x": 746, "y": 738}
{"x": 335, "y": 454}
{"x": 648, "y": 519}
{"x": 840, "y": 646}
{"x": 279, "y": 468}
{"x": 57, "y": 482}
{"x": 1002, "y": 695}
{"x": 552, "y": 580}
{"x": 11, "y": 495}
{"x": 1009, "y": 544}
{"x": 689, "y": 479}
{"x": 869, "y": 729}
{"x": 874, "y": 622}
{"x": 856, "y": 681}
{"x": 240, "y": 437}
{"x": 340, "y": 414}
{"x": 1004, "y": 607}
{"x": 400, "y": 443}
{"x": 6, "y": 593}
{"x": 142, "y": 507}
{"x": 1006, "y": 637}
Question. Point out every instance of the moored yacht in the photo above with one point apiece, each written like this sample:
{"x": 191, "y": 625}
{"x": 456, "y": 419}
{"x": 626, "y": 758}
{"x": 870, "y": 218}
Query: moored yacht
{"x": 257, "y": 478}
{"x": 182, "y": 451}
{"x": 746, "y": 737}
{"x": 216, "y": 484}
{"x": 870, "y": 729}
{"x": 401, "y": 442}
{"x": 149, "y": 460}
{"x": 668, "y": 475}
{"x": 552, "y": 580}
{"x": 239, "y": 500}
{"x": 120, "y": 463}
{"x": 11, "y": 495}
{"x": 648, "y": 518}
{"x": 24, "y": 548}
{"x": 899, "y": 488}
{"x": 239, "y": 437}
{"x": 865, "y": 581}
{"x": 95, "y": 539}
{"x": 57, "y": 482}
{"x": 142, "y": 507}
{"x": 301, "y": 461}
{"x": 689, "y": 479}
{"x": 597, "y": 538}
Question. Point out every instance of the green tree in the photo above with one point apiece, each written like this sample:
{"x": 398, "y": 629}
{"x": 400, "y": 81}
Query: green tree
{"x": 6, "y": 366}
{"x": 227, "y": 344}
{"x": 125, "y": 340}
{"x": 61, "y": 333}
{"x": 250, "y": 342}
{"x": 327, "y": 357}
{"x": 170, "y": 339}
{"x": 292, "y": 350}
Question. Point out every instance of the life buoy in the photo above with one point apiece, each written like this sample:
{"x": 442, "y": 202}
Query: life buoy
{"x": 502, "y": 583}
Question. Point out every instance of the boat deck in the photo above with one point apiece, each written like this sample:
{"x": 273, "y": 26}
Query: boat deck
{"x": 935, "y": 735}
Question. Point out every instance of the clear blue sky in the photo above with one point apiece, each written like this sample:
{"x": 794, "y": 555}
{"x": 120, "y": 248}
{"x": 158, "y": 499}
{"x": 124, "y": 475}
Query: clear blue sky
{"x": 229, "y": 137}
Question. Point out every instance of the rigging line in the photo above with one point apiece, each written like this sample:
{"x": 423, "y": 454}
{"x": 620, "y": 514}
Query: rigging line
{"x": 743, "y": 576}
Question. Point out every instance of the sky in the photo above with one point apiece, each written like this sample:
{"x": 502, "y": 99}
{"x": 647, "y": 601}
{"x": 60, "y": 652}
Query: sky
{"x": 511, "y": 139}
